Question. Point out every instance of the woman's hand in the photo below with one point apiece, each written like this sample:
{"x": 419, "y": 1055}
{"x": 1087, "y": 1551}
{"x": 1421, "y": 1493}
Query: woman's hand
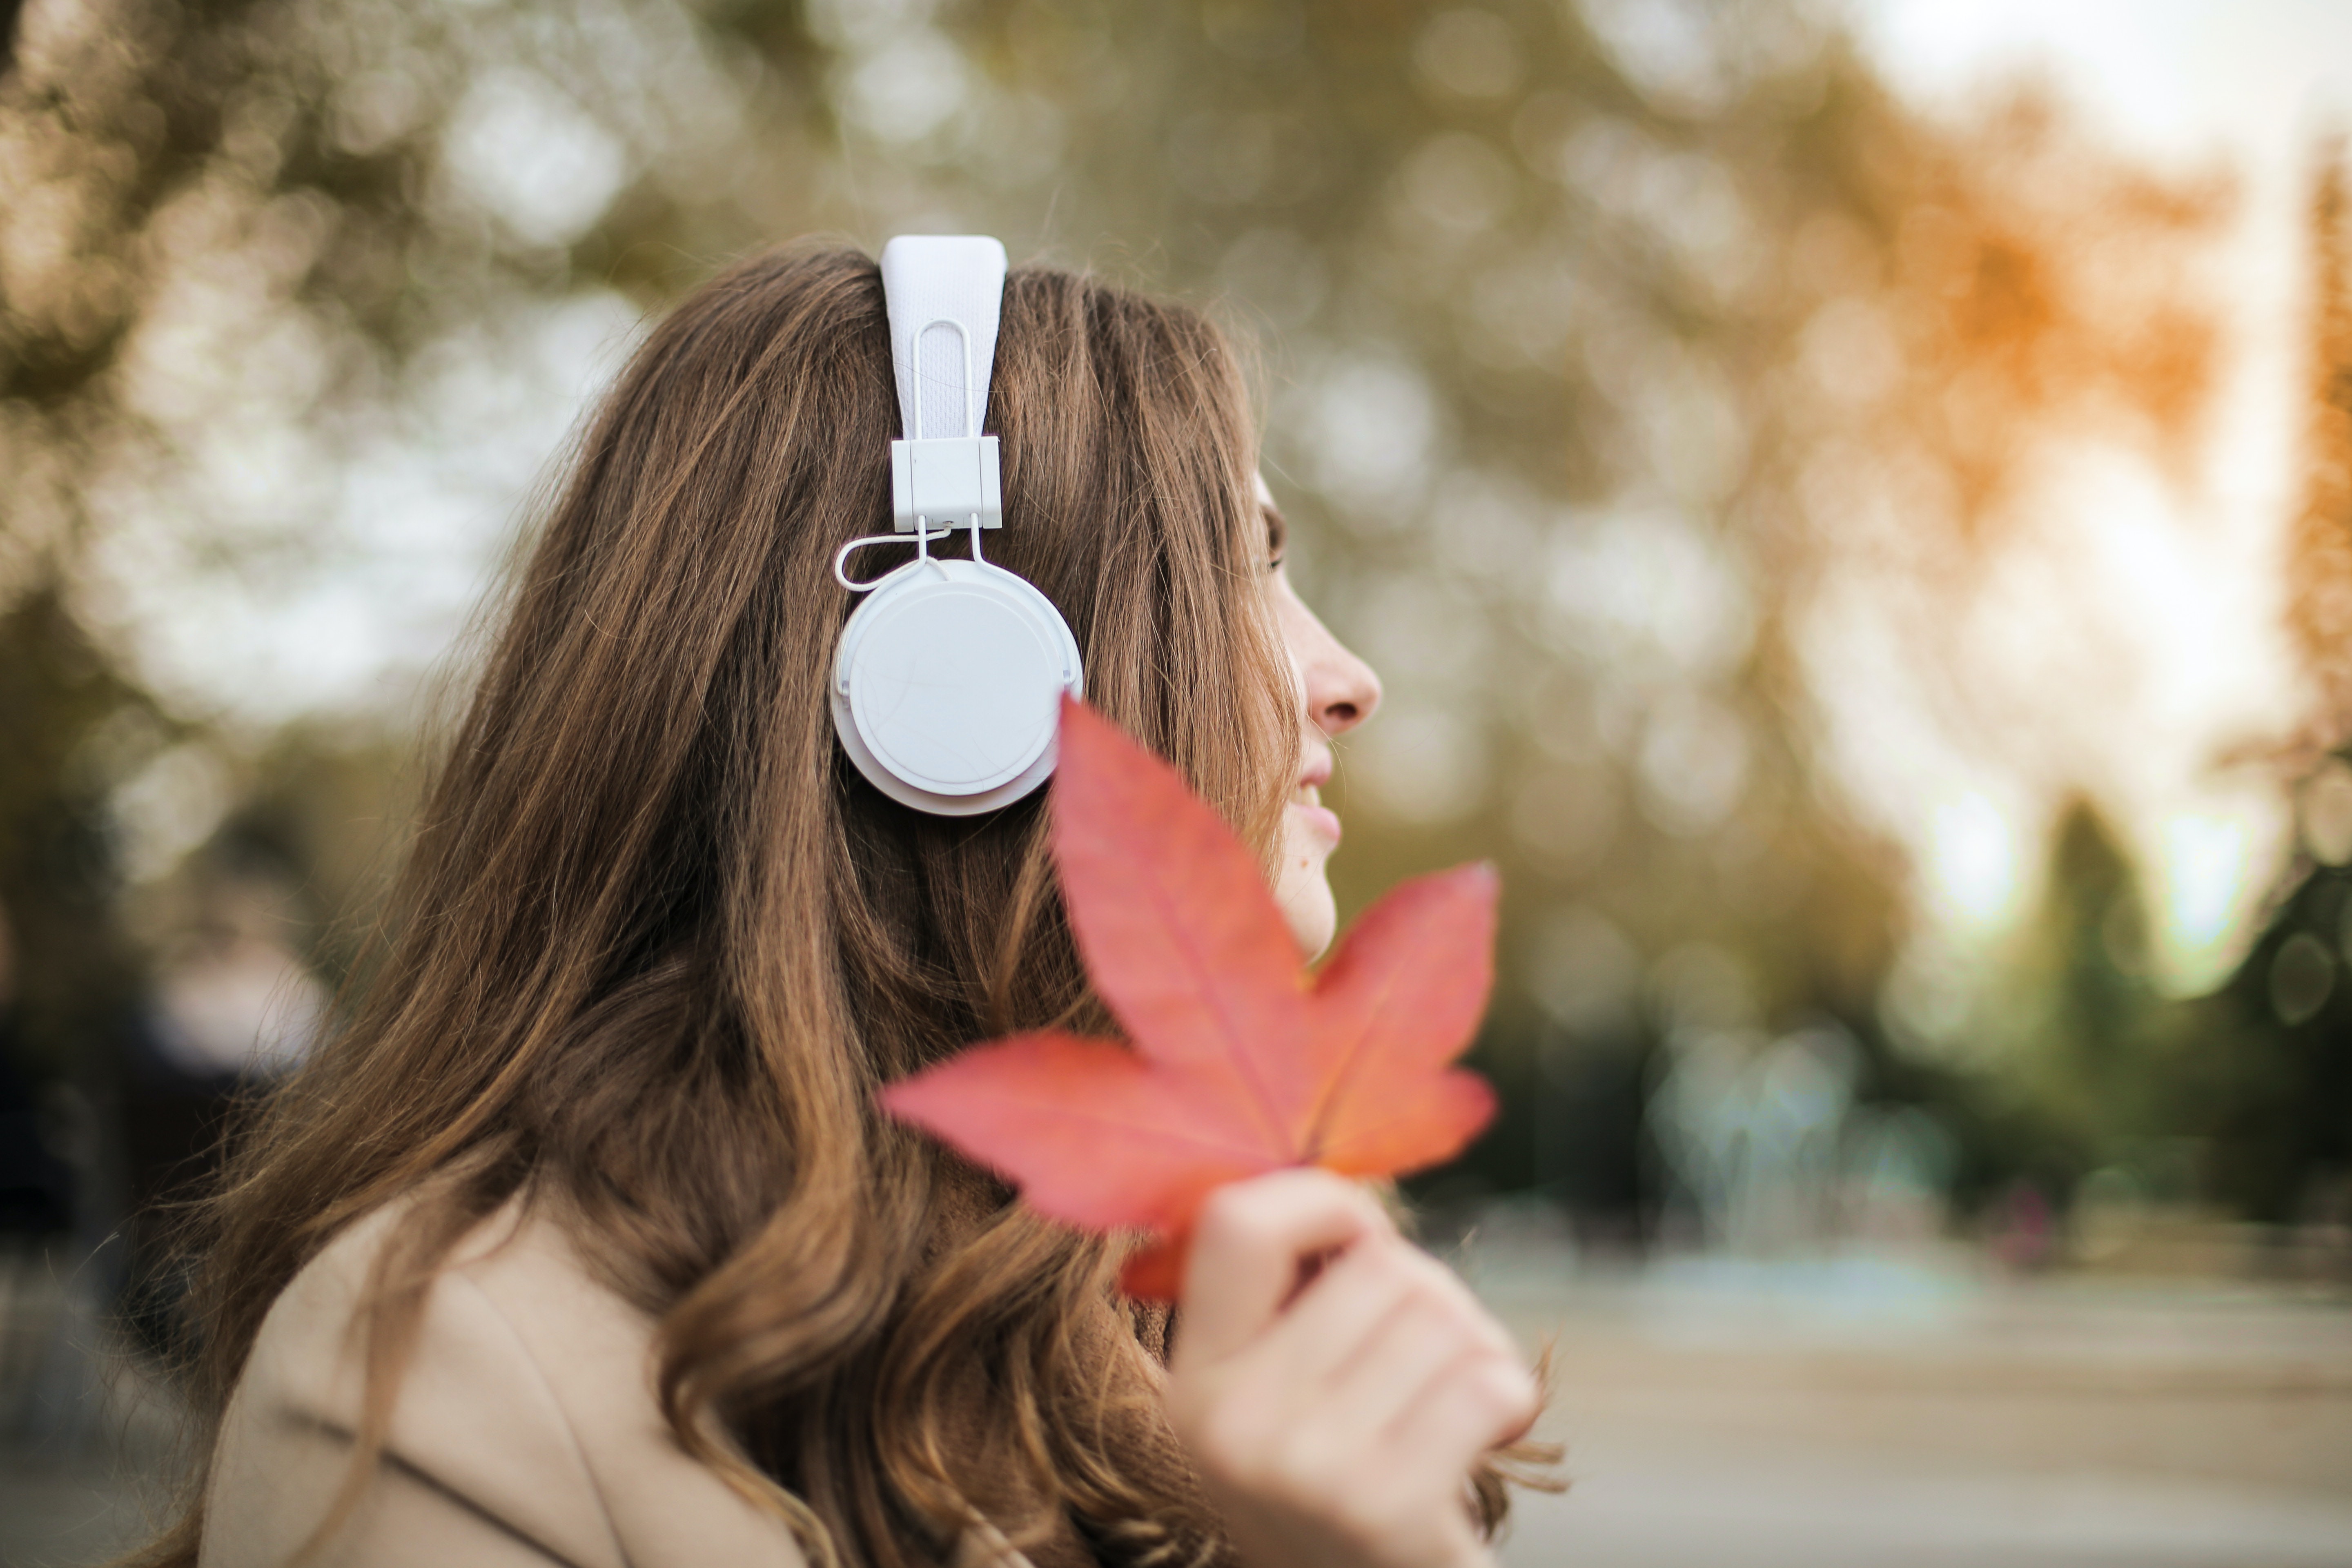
{"x": 1335, "y": 1425}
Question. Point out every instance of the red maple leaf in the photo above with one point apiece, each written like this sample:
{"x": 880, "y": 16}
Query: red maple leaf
{"x": 1241, "y": 1061}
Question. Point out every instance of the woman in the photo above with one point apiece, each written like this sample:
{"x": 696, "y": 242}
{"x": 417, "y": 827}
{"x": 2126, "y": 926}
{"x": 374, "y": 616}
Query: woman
{"x": 583, "y": 1242}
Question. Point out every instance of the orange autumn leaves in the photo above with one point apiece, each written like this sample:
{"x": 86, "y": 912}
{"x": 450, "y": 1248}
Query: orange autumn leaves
{"x": 1242, "y": 1062}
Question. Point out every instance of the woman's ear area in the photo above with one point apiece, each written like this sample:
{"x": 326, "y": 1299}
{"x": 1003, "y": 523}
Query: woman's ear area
{"x": 1338, "y": 689}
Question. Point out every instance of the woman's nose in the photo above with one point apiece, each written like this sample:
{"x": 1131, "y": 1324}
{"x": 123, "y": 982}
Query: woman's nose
{"x": 1341, "y": 688}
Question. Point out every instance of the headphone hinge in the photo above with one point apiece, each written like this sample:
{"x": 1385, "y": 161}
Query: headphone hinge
{"x": 945, "y": 483}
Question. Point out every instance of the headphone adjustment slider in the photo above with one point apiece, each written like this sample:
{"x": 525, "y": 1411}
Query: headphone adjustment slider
{"x": 946, "y": 482}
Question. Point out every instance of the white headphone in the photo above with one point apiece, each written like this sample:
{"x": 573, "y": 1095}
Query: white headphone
{"x": 947, "y": 687}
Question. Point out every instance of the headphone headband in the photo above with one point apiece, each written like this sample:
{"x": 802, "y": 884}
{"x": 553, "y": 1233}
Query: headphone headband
{"x": 945, "y": 294}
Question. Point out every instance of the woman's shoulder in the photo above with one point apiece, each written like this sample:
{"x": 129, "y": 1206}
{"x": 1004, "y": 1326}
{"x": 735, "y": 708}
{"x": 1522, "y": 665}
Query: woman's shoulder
{"x": 525, "y": 1427}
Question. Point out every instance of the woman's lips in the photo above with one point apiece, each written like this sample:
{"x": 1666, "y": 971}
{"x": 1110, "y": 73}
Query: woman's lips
{"x": 1322, "y": 819}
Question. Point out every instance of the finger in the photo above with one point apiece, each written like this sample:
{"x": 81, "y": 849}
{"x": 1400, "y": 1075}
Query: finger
{"x": 1447, "y": 1286}
{"x": 1326, "y": 1327}
{"x": 1322, "y": 1327}
{"x": 1464, "y": 1410}
{"x": 1247, "y": 1246}
{"x": 1439, "y": 1284}
{"x": 1396, "y": 1367}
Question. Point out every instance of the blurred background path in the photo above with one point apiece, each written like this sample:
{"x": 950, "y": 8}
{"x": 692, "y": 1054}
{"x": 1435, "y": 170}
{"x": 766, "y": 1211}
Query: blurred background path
{"x": 1874, "y": 1415}
{"x": 1868, "y": 1414}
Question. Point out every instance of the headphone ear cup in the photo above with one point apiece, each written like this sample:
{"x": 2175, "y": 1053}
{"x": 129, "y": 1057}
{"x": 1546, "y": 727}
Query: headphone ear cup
{"x": 947, "y": 686}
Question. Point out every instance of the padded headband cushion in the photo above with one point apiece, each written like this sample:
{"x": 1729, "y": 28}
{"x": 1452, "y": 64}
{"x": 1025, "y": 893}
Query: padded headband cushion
{"x": 929, "y": 279}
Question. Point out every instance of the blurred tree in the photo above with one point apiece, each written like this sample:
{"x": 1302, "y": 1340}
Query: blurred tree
{"x": 62, "y": 709}
{"x": 2276, "y": 1104}
{"x": 2087, "y": 1021}
{"x": 71, "y": 988}
{"x": 1621, "y": 361}
{"x": 2321, "y": 609}
{"x": 2274, "y": 1091}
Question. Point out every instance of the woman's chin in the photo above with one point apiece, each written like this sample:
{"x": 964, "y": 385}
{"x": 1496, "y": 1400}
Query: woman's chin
{"x": 1303, "y": 896}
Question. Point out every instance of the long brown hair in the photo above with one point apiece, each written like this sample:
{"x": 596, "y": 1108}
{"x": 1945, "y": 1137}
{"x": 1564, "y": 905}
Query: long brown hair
{"x": 657, "y": 943}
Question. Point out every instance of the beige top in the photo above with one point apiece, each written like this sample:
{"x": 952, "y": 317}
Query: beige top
{"x": 526, "y": 1431}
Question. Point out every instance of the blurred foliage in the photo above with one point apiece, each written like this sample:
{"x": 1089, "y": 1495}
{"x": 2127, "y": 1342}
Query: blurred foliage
{"x": 2276, "y": 1104}
{"x": 1612, "y": 352}
{"x": 61, "y": 710}
{"x": 2279, "y": 1117}
{"x": 2321, "y": 611}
